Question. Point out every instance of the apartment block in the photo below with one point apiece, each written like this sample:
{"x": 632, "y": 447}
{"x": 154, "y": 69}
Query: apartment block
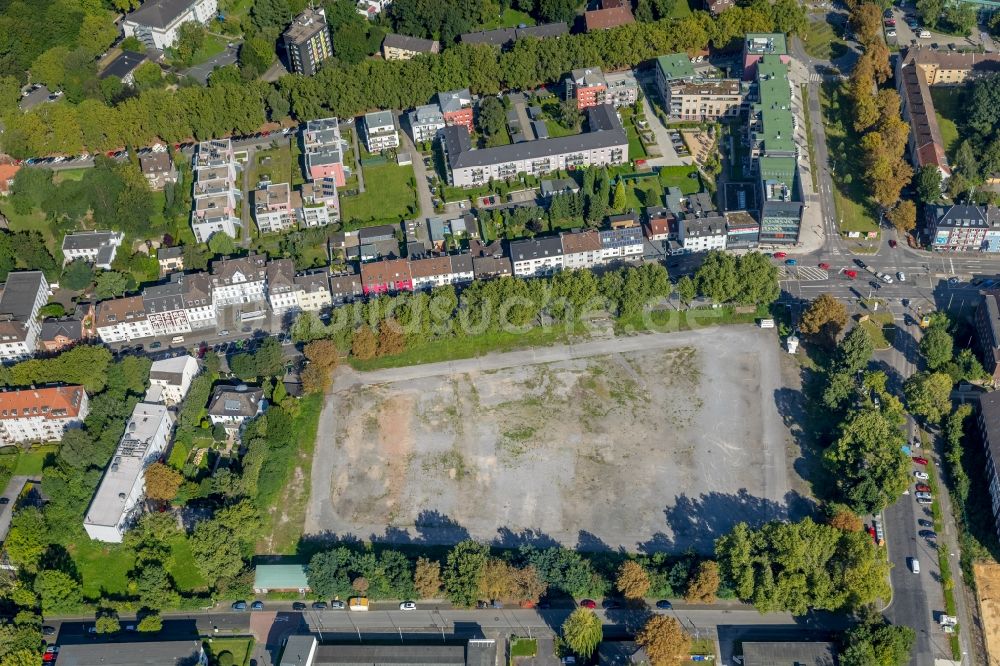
{"x": 622, "y": 241}
{"x": 239, "y": 281}
{"x": 165, "y": 309}
{"x": 324, "y": 148}
{"x": 122, "y": 320}
{"x": 170, "y": 379}
{"x": 320, "y": 203}
{"x": 386, "y": 276}
{"x": 425, "y": 121}
{"x": 118, "y": 500}
{"x": 94, "y": 247}
{"x": 702, "y": 234}
{"x": 961, "y": 228}
{"x": 42, "y": 414}
{"x": 24, "y": 293}
{"x": 582, "y": 249}
{"x": 457, "y": 108}
{"x": 758, "y": 45}
{"x": 307, "y": 41}
{"x": 274, "y": 207}
{"x": 404, "y": 47}
{"x": 989, "y": 429}
{"x": 537, "y": 256}
{"x": 157, "y": 23}
{"x": 587, "y": 86}
{"x": 623, "y": 89}
{"x": 380, "y": 131}
{"x": 703, "y": 99}
{"x": 215, "y": 190}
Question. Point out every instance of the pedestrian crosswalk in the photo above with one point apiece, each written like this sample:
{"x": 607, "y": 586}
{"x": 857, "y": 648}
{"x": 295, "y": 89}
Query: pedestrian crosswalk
{"x": 802, "y": 273}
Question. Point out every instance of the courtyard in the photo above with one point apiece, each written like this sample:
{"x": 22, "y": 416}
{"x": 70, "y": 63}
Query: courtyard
{"x": 656, "y": 442}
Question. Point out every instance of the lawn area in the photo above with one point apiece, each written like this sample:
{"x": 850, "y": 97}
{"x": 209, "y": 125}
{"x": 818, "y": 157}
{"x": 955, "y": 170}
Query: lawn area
{"x": 182, "y": 567}
{"x": 471, "y": 346}
{"x": 880, "y": 327}
{"x": 68, "y": 174}
{"x": 239, "y": 647}
{"x": 643, "y": 192}
{"x": 33, "y": 221}
{"x": 523, "y": 647}
{"x": 701, "y": 647}
{"x": 948, "y": 109}
{"x": 680, "y": 176}
{"x": 274, "y": 165}
{"x": 680, "y": 9}
{"x": 213, "y": 46}
{"x": 557, "y": 130}
{"x": 389, "y": 196}
{"x": 30, "y": 462}
{"x": 850, "y": 196}
{"x": 103, "y": 567}
{"x": 822, "y": 42}
{"x": 511, "y": 18}
{"x": 636, "y": 151}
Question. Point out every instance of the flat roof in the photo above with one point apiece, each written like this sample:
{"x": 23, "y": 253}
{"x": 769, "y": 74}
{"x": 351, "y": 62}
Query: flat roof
{"x": 279, "y": 577}
{"x": 675, "y": 66}
{"x": 384, "y": 655}
{"x": 788, "y": 654}
{"x": 139, "y": 653}
{"x": 123, "y": 64}
{"x": 159, "y": 13}
{"x": 19, "y": 294}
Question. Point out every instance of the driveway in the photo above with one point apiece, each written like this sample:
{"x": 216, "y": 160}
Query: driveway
{"x": 10, "y": 494}
{"x": 668, "y": 156}
{"x": 419, "y": 172}
{"x": 201, "y": 72}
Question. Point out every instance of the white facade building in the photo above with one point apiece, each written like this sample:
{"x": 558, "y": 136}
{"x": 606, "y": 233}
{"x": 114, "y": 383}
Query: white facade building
{"x": 701, "y": 234}
{"x": 122, "y": 320}
{"x": 215, "y": 190}
{"x": 94, "y": 247}
{"x": 274, "y": 207}
{"x": 242, "y": 280}
{"x": 320, "y": 203}
{"x": 380, "y": 131}
{"x": 118, "y": 499}
{"x": 232, "y": 406}
{"x": 537, "y": 256}
{"x": 24, "y": 293}
{"x": 170, "y": 379}
{"x": 157, "y": 23}
{"x": 41, "y": 415}
{"x": 581, "y": 250}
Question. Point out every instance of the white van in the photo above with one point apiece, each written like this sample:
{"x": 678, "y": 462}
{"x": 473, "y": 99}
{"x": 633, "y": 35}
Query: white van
{"x": 925, "y": 34}
{"x": 914, "y": 565}
{"x": 177, "y": 340}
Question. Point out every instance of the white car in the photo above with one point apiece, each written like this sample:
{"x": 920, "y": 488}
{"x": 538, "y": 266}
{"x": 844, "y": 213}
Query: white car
{"x": 890, "y": 33}
{"x": 914, "y": 565}
{"x": 923, "y": 495}
{"x": 901, "y": 276}
{"x": 407, "y": 605}
{"x": 921, "y": 475}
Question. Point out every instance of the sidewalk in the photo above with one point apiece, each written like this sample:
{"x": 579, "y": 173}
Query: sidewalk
{"x": 812, "y": 235}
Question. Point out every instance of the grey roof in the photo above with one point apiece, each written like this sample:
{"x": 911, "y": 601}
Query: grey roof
{"x": 379, "y": 232}
{"x": 623, "y": 236}
{"x": 163, "y": 297}
{"x": 711, "y": 225}
{"x": 989, "y": 419}
{"x": 155, "y": 162}
{"x": 170, "y": 252}
{"x": 313, "y": 281}
{"x": 297, "y": 651}
{"x": 540, "y": 128}
{"x": 788, "y": 654}
{"x": 536, "y": 248}
{"x": 172, "y": 369}
{"x": 407, "y": 43}
{"x": 461, "y": 263}
{"x": 454, "y": 100}
{"x": 380, "y": 119}
{"x": 138, "y": 653}
{"x": 602, "y": 117}
{"x": 544, "y": 30}
{"x": 384, "y": 655}
{"x": 504, "y": 36}
{"x": 461, "y": 155}
{"x": 426, "y": 114}
{"x": 481, "y": 652}
{"x": 558, "y": 186}
{"x": 235, "y": 401}
{"x": 960, "y": 216}
{"x": 158, "y": 14}
{"x": 19, "y": 294}
{"x": 87, "y": 240}
{"x": 121, "y": 66}
{"x": 69, "y": 328}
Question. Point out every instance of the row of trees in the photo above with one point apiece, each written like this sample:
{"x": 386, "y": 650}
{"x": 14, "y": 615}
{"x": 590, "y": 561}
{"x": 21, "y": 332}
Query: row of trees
{"x": 751, "y": 279}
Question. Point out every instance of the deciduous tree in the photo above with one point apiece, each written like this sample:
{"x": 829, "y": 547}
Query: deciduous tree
{"x": 825, "y": 317}
{"x": 929, "y": 395}
{"x": 462, "y": 571}
{"x": 867, "y": 461}
{"x": 936, "y": 346}
{"x": 427, "y": 578}
{"x": 665, "y": 641}
{"x": 582, "y": 632}
{"x": 704, "y": 583}
{"x": 904, "y": 216}
{"x": 632, "y": 580}
{"x": 162, "y": 482}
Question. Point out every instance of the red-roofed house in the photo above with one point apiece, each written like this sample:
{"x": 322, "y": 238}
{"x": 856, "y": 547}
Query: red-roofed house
{"x": 609, "y": 17}
{"x": 41, "y": 415}
{"x": 7, "y": 172}
{"x": 379, "y": 277}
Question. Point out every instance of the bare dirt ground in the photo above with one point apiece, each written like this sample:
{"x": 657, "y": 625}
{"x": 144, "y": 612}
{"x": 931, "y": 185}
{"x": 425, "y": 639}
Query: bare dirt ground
{"x": 657, "y": 449}
{"x": 988, "y": 594}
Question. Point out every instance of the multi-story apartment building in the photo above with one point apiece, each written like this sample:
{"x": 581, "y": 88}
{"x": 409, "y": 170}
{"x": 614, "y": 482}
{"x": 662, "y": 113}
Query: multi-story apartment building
{"x": 320, "y": 203}
{"x": 170, "y": 379}
{"x": 281, "y": 290}
{"x": 24, "y": 293}
{"x": 324, "y": 149}
{"x": 170, "y": 259}
{"x": 581, "y": 249}
{"x": 537, "y": 256}
{"x": 457, "y": 108}
{"x": 307, "y": 41}
{"x": 404, "y": 47}
{"x": 703, "y": 99}
{"x": 587, "y": 86}
{"x": 659, "y": 224}
{"x": 425, "y": 121}
{"x": 672, "y": 67}
{"x": 157, "y": 23}
{"x": 380, "y": 131}
{"x": 239, "y": 281}
{"x": 430, "y": 272}
{"x": 118, "y": 500}
{"x": 122, "y": 320}
{"x": 215, "y": 191}
{"x": 988, "y": 420}
{"x": 165, "y": 309}
{"x": 41, "y": 415}
{"x": 605, "y": 144}
{"x": 345, "y": 287}
{"x": 623, "y": 89}
{"x": 623, "y": 240}
{"x": 156, "y": 166}
{"x": 274, "y": 207}
{"x": 313, "y": 290}
{"x": 701, "y": 234}
{"x": 94, "y": 247}
{"x": 201, "y": 311}
{"x": 387, "y": 275}
{"x": 958, "y": 228}
{"x": 757, "y": 45}
{"x": 988, "y": 332}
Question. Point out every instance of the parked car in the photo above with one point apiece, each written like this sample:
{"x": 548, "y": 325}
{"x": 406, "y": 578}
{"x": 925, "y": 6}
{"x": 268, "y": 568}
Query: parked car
{"x": 48, "y": 631}
{"x": 663, "y": 604}
{"x": 924, "y": 500}
{"x": 240, "y": 606}
{"x": 407, "y": 606}
{"x": 925, "y": 523}
{"x": 337, "y": 604}
{"x": 923, "y": 488}
{"x": 860, "y": 264}
{"x": 780, "y": 255}
{"x": 155, "y": 345}
{"x": 901, "y": 276}
{"x": 588, "y": 603}
{"x": 923, "y": 495}
{"x": 257, "y": 605}
{"x": 825, "y": 266}
{"x": 919, "y": 460}
{"x": 791, "y": 262}
{"x": 851, "y": 274}
{"x": 890, "y": 33}
{"x": 892, "y": 243}
{"x": 319, "y": 605}
{"x": 914, "y": 565}
{"x": 299, "y": 606}
{"x": 923, "y": 476}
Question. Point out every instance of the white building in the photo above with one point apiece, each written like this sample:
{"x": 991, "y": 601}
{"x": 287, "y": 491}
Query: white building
{"x": 232, "y": 406}
{"x": 425, "y": 121}
{"x": 157, "y": 23}
{"x": 701, "y": 234}
{"x": 623, "y": 241}
{"x": 281, "y": 290}
{"x": 320, "y": 203}
{"x": 41, "y": 415}
{"x": 274, "y": 207}
{"x": 170, "y": 379}
{"x": 372, "y": 8}
{"x": 581, "y": 249}
{"x": 215, "y": 190}
{"x": 313, "y": 290}
{"x": 24, "y": 293}
{"x": 324, "y": 150}
{"x": 165, "y": 309}
{"x": 94, "y": 247}
{"x": 380, "y": 131}
{"x": 122, "y": 320}
{"x": 239, "y": 281}
{"x": 118, "y": 499}
{"x": 537, "y": 256}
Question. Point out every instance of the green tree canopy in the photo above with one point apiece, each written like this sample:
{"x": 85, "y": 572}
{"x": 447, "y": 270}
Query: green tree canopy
{"x": 462, "y": 571}
{"x": 867, "y": 460}
{"x": 582, "y": 631}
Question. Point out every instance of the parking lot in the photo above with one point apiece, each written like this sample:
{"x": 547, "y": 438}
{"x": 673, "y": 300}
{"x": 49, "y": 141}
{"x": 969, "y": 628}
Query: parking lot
{"x": 905, "y": 35}
{"x": 659, "y": 448}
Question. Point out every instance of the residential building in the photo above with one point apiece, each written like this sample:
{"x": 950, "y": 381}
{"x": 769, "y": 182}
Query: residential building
{"x": 232, "y": 406}
{"x": 610, "y": 17}
{"x": 489, "y": 261}
{"x": 988, "y": 333}
{"x": 156, "y": 166}
{"x": 41, "y": 414}
{"x": 138, "y": 653}
{"x": 605, "y": 144}
{"x": 716, "y": 7}
{"x": 59, "y": 334}
{"x": 385, "y": 276}
{"x": 581, "y": 249}
{"x": 280, "y": 578}
{"x": 702, "y": 98}
{"x": 623, "y": 89}
{"x": 456, "y": 108}
{"x": 659, "y": 224}
{"x": 587, "y": 86}
{"x": 170, "y": 259}
{"x": 324, "y": 151}
{"x": 781, "y": 200}
{"x": 313, "y": 290}
{"x": 957, "y": 228}
{"x": 122, "y": 320}
{"x": 789, "y": 654}
{"x": 505, "y": 37}
{"x": 157, "y": 23}
{"x": 345, "y": 287}
{"x": 429, "y": 272}
{"x": 215, "y": 190}
{"x": 274, "y": 207}
{"x": 757, "y": 45}
{"x": 281, "y": 285}
{"x": 307, "y": 41}
{"x": 118, "y": 500}
{"x": 537, "y": 256}
{"x": 24, "y": 293}
{"x": 380, "y": 131}
{"x": 241, "y": 280}
{"x": 8, "y": 169}
{"x": 551, "y": 187}
{"x": 404, "y": 47}
{"x": 989, "y": 430}
{"x": 742, "y": 230}
{"x": 623, "y": 240}
{"x": 170, "y": 379}
{"x": 201, "y": 312}
{"x": 425, "y": 121}
{"x": 320, "y": 203}
{"x": 372, "y": 8}
{"x": 670, "y": 68}
{"x": 447, "y": 234}
{"x": 166, "y": 312}
{"x": 94, "y": 247}
{"x": 701, "y": 234}
{"x": 123, "y": 67}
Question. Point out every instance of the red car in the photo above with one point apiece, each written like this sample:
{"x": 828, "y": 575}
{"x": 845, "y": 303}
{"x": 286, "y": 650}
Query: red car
{"x": 588, "y": 603}
{"x": 892, "y": 243}
{"x": 851, "y": 274}
{"x": 919, "y": 461}
{"x": 825, "y": 266}
{"x": 780, "y": 255}
{"x": 890, "y": 22}
{"x": 923, "y": 488}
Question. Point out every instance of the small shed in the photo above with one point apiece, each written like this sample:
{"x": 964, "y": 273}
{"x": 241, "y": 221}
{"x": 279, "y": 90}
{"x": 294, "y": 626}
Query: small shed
{"x": 280, "y": 578}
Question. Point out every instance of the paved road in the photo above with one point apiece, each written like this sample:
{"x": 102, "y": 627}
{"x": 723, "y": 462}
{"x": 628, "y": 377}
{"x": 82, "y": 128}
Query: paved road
{"x": 227, "y": 57}
{"x": 668, "y": 156}
{"x": 10, "y": 494}
{"x": 419, "y": 172}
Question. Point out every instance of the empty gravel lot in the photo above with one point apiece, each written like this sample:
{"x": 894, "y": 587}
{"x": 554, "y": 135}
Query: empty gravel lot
{"x": 654, "y": 442}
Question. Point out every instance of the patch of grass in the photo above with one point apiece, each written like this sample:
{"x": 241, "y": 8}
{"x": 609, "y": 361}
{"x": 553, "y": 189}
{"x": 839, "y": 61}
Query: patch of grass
{"x": 511, "y": 18}
{"x": 33, "y": 221}
{"x": 556, "y": 130}
{"x": 182, "y": 567}
{"x": 179, "y": 454}
{"x": 669, "y": 320}
{"x": 642, "y": 193}
{"x": 523, "y": 647}
{"x": 274, "y": 164}
{"x": 240, "y": 647}
{"x": 680, "y": 176}
{"x": 880, "y": 327}
{"x": 433, "y": 351}
{"x": 849, "y": 194}
{"x": 948, "y": 109}
{"x": 212, "y": 46}
{"x": 389, "y": 196}
{"x": 702, "y": 647}
{"x": 636, "y": 151}
{"x": 947, "y": 581}
{"x": 822, "y": 41}
{"x": 68, "y": 174}
{"x": 30, "y": 462}
{"x": 809, "y": 135}
{"x": 103, "y": 567}
{"x": 680, "y": 9}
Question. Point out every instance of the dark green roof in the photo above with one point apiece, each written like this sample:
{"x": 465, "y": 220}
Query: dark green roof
{"x": 675, "y": 66}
